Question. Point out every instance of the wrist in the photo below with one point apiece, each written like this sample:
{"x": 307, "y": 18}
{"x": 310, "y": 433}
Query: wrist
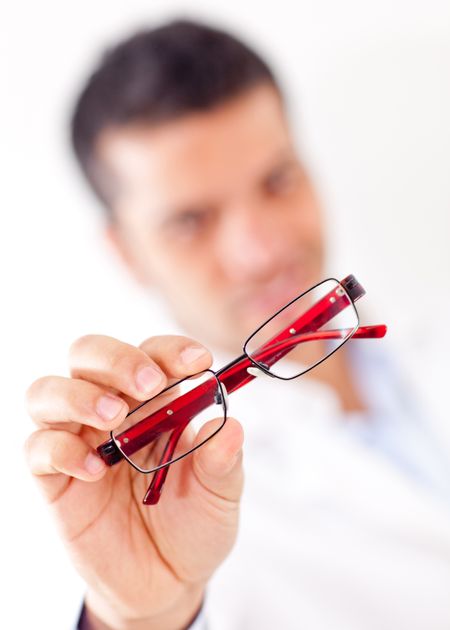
{"x": 101, "y": 615}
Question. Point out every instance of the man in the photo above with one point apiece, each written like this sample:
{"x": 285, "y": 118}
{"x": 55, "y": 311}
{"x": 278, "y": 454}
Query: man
{"x": 182, "y": 133}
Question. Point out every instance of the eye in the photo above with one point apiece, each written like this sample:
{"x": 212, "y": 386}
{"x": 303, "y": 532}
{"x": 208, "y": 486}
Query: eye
{"x": 283, "y": 180}
{"x": 189, "y": 223}
{"x": 189, "y": 219}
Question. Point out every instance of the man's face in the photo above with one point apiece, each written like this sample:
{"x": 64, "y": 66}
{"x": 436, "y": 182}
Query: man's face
{"x": 216, "y": 211}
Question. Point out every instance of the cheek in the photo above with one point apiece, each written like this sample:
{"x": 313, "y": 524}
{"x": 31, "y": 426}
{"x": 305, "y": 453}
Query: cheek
{"x": 309, "y": 217}
{"x": 302, "y": 223}
{"x": 311, "y": 226}
{"x": 172, "y": 268}
{"x": 178, "y": 272}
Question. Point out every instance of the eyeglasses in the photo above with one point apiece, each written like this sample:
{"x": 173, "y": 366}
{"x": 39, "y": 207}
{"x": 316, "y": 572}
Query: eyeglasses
{"x": 188, "y": 413}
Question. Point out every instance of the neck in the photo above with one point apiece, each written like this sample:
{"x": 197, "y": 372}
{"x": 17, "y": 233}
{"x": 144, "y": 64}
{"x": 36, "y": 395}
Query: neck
{"x": 336, "y": 373}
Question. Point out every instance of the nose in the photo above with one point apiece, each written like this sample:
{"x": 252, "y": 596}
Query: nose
{"x": 249, "y": 244}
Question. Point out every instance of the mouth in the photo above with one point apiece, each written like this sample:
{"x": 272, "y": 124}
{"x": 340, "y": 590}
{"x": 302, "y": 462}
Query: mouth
{"x": 260, "y": 303}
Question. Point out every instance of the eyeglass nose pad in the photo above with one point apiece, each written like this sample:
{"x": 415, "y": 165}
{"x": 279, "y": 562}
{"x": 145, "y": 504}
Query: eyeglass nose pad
{"x": 256, "y": 371}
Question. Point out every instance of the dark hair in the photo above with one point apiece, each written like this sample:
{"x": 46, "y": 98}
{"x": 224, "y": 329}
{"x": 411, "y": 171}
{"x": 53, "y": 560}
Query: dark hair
{"x": 157, "y": 75}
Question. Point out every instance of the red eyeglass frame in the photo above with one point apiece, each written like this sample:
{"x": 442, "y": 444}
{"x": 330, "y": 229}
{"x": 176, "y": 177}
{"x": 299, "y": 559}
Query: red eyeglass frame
{"x": 231, "y": 377}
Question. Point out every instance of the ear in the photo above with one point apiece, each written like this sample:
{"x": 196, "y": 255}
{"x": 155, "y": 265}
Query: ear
{"x": 116, "y": 242}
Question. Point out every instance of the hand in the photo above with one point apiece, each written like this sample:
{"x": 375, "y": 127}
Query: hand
{"x": 144, "y": 566}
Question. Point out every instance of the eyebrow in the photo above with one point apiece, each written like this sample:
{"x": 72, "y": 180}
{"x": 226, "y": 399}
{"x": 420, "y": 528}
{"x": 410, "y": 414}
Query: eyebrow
{"x": 285, "y": 157}
{"x": 165, "y": 215}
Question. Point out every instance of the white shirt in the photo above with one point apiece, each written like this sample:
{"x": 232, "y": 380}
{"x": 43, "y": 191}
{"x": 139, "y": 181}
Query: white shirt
{"x": 345, "y": 520}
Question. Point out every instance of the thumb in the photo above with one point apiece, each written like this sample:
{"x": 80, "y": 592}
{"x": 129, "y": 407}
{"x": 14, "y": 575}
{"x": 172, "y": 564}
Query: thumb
{"x": 217, "y": 464}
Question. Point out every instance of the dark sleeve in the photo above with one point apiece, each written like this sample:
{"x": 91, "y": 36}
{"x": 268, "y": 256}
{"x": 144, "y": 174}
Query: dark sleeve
{"x": 82, "y": 621}
{"x": 197, "y": 623}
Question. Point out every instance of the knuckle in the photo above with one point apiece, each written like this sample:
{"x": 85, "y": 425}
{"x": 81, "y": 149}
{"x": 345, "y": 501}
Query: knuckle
{"x": 162, "y": 340}
{"x": 32, "y": 445}
{"x": 182, "y": 339}
{"x": 58, "y": 449}
{"x": 122, "y": 361}
{"x": 119, "y": 359}
{"x": 167, "y": 348}
{"x": 29, "y": 445}
{"x": 36, "y": 391}
{"x": 81, "y": 344}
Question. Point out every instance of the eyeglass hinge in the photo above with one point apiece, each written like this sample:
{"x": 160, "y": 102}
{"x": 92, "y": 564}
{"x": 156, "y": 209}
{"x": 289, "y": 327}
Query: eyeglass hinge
{"x": 218, "y": 396}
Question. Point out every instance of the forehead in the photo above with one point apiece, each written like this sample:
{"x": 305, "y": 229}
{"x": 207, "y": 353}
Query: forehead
{"x": 207, "y": 152}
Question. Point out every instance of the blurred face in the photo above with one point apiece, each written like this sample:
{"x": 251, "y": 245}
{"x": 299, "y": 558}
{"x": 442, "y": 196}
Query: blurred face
{"x": 216, "y": 211}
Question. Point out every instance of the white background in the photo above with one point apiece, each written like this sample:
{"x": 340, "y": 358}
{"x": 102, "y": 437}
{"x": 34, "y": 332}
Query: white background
{"x": 369, "y": 88}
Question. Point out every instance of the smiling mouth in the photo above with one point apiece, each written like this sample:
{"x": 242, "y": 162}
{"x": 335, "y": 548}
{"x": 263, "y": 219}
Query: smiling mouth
{"x": 273, "y": 295}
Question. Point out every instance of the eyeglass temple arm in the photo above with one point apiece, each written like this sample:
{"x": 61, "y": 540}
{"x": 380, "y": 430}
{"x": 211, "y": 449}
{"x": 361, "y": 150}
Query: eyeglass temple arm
{"x": 376, "y": 331}
{"x": 236, "y": 375}
{"x": 269, "y": 356}
{"x": 154, "y": 490}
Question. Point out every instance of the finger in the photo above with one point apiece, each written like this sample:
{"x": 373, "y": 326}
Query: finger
{"x": 52, "y": 452}
{"x": 218, "y": 463}
{"x": 112, "y": 363}
{"x": 177, "y": 356}
{"x": 52, "y": 400}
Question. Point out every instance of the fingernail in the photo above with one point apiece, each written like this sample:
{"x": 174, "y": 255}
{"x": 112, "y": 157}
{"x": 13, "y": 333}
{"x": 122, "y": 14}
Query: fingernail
{"x": 192, "y": 353}
{"x": 93, "y": 464}
{"x": 147, "y": 379}
{"x": 108, "y": 407}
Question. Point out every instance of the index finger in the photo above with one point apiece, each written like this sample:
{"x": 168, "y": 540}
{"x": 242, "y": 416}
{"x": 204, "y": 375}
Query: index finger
{"x": 178, "y": 356}
{"x": 112, "y": 363}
